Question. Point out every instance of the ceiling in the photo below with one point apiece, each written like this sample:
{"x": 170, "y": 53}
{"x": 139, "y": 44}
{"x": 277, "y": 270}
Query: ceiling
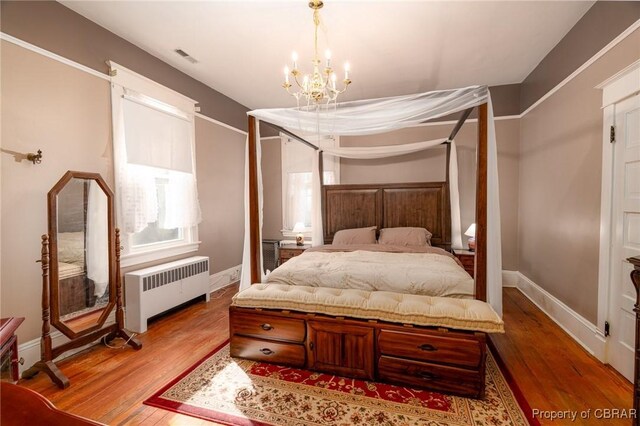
{"x": 393, "y": 47}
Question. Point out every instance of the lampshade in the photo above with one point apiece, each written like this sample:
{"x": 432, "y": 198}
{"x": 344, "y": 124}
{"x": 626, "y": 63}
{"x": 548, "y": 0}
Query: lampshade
{"x": 299, "y": 227}
{"x": 471, "y": 231}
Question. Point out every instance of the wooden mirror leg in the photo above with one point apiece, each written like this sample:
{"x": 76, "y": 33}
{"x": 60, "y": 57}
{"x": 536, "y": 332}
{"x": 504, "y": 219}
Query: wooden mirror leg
{"x": 51, "y": 370}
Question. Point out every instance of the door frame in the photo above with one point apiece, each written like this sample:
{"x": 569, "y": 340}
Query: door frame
{"x": 620, "y": 86}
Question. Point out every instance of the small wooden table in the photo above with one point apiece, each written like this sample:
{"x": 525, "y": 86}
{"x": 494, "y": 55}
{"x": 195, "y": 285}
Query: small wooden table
{"x": 9, "y": 345}
{"x": 287, "y": 251}
{"x": 467, "y": 258}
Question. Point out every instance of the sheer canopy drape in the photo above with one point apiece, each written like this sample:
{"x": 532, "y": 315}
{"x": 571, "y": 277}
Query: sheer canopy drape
{"x": 385, "y": 115}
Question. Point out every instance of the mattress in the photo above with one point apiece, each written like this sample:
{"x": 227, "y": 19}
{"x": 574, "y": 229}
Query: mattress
{"x": 461, "y": 314}
{"x": 67, "y": 270}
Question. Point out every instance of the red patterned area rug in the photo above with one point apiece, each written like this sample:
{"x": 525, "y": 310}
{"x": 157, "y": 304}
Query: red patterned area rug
{"x": 247, "y": 393}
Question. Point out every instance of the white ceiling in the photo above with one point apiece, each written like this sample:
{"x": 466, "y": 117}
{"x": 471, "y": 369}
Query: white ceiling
{"x": 394, "y": 48}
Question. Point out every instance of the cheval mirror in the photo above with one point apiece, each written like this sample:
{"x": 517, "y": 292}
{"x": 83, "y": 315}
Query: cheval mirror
{"x": 81, "y": 281}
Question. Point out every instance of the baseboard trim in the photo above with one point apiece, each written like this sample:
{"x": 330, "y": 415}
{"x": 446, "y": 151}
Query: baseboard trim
{"x": 224, "y": 278}
{"x": 579, "y": 328}
{"x": 510, "y": 278}
{"x": 30, "y": 351}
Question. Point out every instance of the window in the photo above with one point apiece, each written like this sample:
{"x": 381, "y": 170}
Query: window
{"x": 157, "y": 205}
{"x": 297, "y": 160}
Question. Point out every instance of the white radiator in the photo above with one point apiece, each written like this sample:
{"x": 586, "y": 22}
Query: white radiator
{"x": 154, "y": 290}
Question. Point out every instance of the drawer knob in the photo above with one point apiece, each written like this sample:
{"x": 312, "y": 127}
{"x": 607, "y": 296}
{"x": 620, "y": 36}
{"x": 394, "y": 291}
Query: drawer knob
{"x": 427, "y": 347}
{"x": 427, "y": 376}
{"x": 267, "y": 351}
{"x": 266, "y": 327}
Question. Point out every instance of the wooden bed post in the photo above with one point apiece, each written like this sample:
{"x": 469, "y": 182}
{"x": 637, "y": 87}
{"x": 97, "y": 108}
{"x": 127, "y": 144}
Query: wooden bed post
{"x": 321, "y": 171}
{"x": 254, "y": 219}
{"x": 481, "y": 206}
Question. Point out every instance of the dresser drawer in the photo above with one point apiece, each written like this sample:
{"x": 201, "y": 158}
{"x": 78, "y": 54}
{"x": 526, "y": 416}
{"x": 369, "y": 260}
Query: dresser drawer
{"x": 268, "y": 351}
{"x": 437, "y": 377}
{"x": 460, "y": 351}
{"x": 267, "y": 326}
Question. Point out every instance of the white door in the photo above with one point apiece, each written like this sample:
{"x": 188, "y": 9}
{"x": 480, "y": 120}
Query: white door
{"x": 625, "y": 234}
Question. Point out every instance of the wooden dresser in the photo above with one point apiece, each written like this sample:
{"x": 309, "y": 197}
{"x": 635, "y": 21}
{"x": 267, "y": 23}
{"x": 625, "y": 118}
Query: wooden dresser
{"x": 395, "y": 353}
{"x": 468, "y": 260}
{"x": 287, "y": 251}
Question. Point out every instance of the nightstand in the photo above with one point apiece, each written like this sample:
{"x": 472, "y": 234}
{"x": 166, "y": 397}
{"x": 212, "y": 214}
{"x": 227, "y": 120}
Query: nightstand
{"x": 287, "y": 251}
{"x": 9, "y": 348}
{"x": 467, "y": 258}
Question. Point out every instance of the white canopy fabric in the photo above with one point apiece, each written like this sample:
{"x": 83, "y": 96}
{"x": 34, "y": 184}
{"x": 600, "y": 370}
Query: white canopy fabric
{"x": 385, "y": 115}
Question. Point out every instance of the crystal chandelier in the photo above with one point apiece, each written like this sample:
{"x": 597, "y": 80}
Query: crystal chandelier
{"x": 320, "y": 85}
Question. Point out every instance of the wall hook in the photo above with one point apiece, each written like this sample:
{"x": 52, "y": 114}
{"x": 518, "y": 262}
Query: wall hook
{"x": 35, "y": 158}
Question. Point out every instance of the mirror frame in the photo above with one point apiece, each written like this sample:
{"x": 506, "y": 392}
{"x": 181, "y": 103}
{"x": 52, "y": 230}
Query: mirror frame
{"x": 54, "y": 282}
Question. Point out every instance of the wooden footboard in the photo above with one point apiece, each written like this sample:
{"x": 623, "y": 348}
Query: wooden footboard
{"x": 437, "y": 359}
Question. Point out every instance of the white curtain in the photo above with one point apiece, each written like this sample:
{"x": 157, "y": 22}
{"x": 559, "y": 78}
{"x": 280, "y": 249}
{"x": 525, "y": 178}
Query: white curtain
{"x": 97, "y": 239}
{"x": 388, "y": 114}
{"x": 454, "y": 198}
{"x": 375, "y": 115}
{"x": 494, "y": 234}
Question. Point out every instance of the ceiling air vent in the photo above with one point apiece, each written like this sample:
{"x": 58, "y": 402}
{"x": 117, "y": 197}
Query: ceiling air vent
{"x": 186, "y": 56}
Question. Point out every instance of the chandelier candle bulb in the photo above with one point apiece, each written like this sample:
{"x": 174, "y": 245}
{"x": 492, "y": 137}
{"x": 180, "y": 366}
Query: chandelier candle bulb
{"x": 347, "y": 67}
{"x": 286, "y": 75}
{"x": 294, "y": 58}
{"x": 327, "y": 54}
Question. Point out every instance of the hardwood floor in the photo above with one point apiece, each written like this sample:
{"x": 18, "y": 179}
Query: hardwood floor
{"x": 551, "y": 369}
{"x": 109, "y": 385}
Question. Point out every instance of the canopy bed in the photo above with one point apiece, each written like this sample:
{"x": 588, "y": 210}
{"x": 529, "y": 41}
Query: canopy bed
{"x": 350, "y": 311}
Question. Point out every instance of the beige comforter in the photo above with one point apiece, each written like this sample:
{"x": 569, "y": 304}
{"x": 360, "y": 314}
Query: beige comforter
{"x": 423, "y": 270}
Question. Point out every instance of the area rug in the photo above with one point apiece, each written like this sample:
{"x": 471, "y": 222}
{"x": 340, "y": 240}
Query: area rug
{"x": 240, "y": 392}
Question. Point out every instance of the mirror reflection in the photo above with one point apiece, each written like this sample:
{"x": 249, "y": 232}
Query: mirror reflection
{"x": 83, "y": 253}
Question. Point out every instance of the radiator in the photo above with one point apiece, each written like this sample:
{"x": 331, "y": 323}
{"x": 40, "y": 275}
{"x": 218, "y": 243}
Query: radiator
{"x": 270, "y": 254}
{"x": 154, "y": 290}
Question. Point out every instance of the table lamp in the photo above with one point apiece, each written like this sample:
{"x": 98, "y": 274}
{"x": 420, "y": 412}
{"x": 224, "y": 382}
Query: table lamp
{"x": 471, "y": 232}
{"x": 298, "y": 229}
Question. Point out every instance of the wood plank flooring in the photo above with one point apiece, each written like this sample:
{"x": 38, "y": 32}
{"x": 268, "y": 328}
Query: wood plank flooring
{"x": 109, "y": 385}
{"x": 552, "y": 370}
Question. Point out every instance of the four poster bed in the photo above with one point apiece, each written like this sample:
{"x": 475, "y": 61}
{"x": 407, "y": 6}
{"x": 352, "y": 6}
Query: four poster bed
{"x": 381, "y": 308}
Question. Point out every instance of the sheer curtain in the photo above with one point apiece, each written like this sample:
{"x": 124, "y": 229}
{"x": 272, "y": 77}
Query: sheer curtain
{"x": 97, "y": 239}
{"x": 385, "y": 115}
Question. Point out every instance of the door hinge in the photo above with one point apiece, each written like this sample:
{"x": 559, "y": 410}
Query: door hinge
{"x": 612, "y": 134}
{"x": 607, "y": 330}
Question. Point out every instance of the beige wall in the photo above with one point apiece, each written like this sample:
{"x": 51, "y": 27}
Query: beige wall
{"x": 424, "y": 166}
{"x": 559, "y": 187}
{"x": 272, "y": 184}
{"x": 220, "y": 170}
{"x": 66, "y": 113}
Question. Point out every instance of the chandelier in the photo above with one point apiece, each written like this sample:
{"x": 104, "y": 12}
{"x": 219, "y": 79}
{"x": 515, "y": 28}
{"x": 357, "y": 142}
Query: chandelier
{"x": 319, "y": 86}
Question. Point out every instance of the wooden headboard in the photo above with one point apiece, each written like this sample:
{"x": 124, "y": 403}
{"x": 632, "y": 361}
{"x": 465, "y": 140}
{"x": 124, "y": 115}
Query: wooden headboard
{"x": 424, "y": 205}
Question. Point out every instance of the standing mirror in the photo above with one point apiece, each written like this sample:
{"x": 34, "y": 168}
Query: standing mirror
{"x": 80, "y": 270}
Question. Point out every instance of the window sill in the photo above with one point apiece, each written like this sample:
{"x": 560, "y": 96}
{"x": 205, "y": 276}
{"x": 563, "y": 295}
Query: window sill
{"x": 291, "y": 234}
{"x": 146, "y": 256}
